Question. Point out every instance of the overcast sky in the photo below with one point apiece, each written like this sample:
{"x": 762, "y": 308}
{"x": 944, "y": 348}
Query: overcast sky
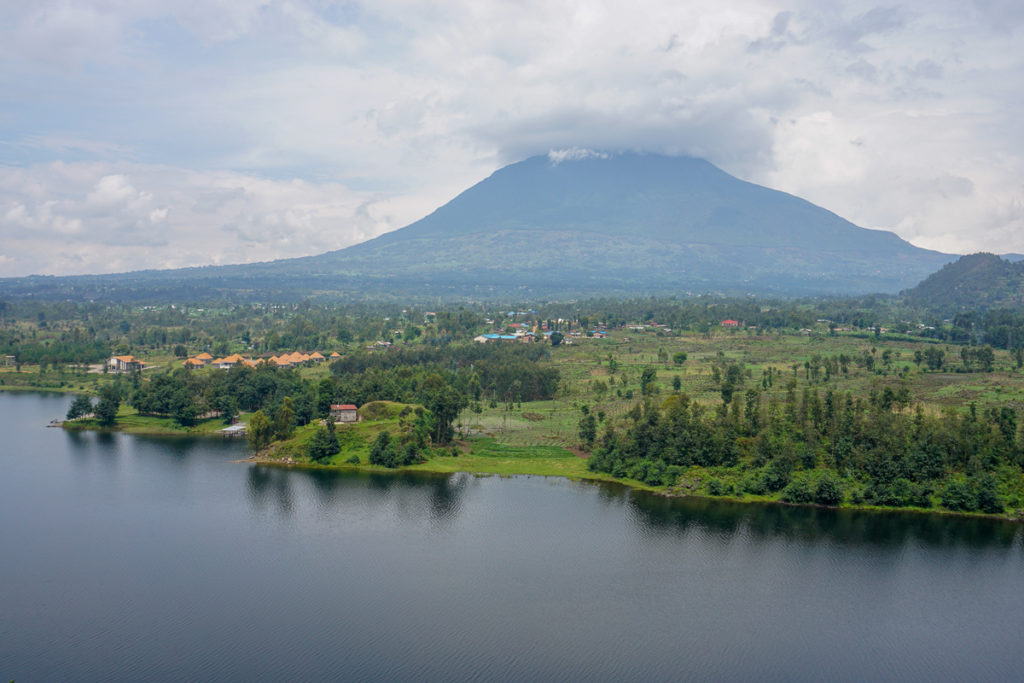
{"x": 146, "y": 133}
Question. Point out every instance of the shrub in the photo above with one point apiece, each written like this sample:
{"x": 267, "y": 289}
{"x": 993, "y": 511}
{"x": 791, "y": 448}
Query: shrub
{"x": 715, "y": 487}
{"x": 798, "y": 491}
{"x": 754, "y": 483}
{"x": 958, "y": 496}
{"x": 829, "y": 491}
{"x": 986, "y": 496}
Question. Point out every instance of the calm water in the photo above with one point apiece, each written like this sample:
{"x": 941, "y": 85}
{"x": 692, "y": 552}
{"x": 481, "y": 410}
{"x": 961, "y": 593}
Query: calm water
{"x": 128, "y": 558}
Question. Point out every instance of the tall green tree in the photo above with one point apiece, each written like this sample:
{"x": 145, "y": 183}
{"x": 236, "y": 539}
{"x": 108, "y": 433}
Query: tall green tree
{"x": 284, "y": 420}
{"x": 82, "y": 405}
{"x": 324, "y": 443}
{"x": 259, "y": 431}
{"x": 106, "y": 408}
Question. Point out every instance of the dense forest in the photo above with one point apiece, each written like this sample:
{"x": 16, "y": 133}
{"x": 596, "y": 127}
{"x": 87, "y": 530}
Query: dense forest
{"x": 821, "y": 449}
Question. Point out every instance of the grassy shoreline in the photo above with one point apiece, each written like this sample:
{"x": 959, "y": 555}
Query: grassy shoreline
{"x": 480, "y": 456}
{"x": 490, "y": 454}
{"x": 484, "y": 468}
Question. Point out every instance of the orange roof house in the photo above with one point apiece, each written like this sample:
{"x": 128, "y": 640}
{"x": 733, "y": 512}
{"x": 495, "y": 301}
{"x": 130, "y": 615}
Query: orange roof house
{"x": 124, "y": 364}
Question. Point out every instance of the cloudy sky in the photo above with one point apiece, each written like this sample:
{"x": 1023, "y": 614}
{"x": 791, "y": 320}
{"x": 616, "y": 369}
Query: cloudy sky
{"x": 147, "y": 133}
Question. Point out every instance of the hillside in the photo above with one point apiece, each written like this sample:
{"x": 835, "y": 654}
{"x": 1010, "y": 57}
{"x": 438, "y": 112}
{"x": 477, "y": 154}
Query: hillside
{"x": 626, "y": 224}
{"x": 973, "y": 281}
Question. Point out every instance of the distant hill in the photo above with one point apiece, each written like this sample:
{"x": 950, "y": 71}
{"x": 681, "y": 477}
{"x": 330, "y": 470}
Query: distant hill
{"x": 624, "y": 224}
{"x": 973, "y": 281}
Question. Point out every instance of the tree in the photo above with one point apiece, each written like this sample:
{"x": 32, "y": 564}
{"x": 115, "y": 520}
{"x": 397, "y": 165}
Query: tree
{"x": 679, "y": 358}
{"x": 324, "y": 443}
{"x": 588, "y": 431}
{"x": 106, "y": 409}
{"x": 445, "y": 402}
{"x": 828, "y": 491}
{"x": 987, "y": 498}
{"x": 556, "y": 338}
{"x": 259, "y": 431}
{"x": 933, "y": 358}
{"x": 647, "y": 381}
{"x": 228, "y": 407}
{"x": 384, "y": 452}
{"x": 82, "y": 405}
{"x": 284, "y": 419}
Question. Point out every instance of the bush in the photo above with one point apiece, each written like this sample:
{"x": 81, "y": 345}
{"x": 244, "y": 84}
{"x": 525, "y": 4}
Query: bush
{"x": 986, "y": 496}
{"x": 776, "y": 476}
{"x": 715, "y": 487}
{"x": 383, "y": 451}
{"x": 754, "y": 483}
{"x": 353, "y": 460}
{"x": 798, "y": 491}
{"x": 829, "y": 491}
{"x": 958, "y": 496}
{"x": 323, "y": 445}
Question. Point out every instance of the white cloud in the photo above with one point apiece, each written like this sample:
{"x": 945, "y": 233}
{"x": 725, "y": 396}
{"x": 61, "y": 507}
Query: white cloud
{"x": 278, "y": 127}
{"x": 557, "y": 156}
{"x": 83, "y": 218}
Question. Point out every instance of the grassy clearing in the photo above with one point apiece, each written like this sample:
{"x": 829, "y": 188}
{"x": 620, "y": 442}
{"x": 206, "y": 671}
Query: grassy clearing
{"x": 130, "y": 422}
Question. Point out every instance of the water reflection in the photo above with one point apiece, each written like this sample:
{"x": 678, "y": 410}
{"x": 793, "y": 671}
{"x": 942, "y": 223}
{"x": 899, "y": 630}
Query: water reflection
{"x": 271, "y": 486}
{"x": 410, "y": 495}
{"x": 809, "y": 525}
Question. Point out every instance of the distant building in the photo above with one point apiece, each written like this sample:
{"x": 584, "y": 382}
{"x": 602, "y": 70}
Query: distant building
{"x": 124, "y": 364}
{"x": 344, "y": 412}
{"x": 730, "y": 323}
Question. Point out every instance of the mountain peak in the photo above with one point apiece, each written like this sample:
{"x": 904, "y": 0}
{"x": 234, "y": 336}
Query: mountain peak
{"x": 583, "y": 222}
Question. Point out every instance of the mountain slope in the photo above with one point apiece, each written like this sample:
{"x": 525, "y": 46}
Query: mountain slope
{"x": 625, "y": 224}
{"x": 640, "y": 223}
{"x": 973, "y": 281}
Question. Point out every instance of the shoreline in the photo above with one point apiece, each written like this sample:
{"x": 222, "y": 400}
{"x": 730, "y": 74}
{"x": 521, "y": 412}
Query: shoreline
{"x": 497, "y": 466}
{"x": 666, "y": 492}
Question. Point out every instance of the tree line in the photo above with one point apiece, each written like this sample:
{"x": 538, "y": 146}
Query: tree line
{"x": 881, "y": 449}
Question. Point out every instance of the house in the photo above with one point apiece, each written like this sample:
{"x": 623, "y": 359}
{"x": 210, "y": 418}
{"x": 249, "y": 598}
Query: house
{"x": 317, "y": 357}
{"x": 228, "y": 362}
{"x": 730, "y": 323}
{"x": 124, "y": 364}
{"x": 335, "y": 354}
{"x": 193, "y": 363}
{"x": 344, "y": 412}
{"x": 204, "y": 358}
{"x": 9, "y": 361}
{"x": 492, "y": 338}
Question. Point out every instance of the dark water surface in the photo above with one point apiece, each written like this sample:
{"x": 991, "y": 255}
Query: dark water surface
{"x": 131, "y": 558}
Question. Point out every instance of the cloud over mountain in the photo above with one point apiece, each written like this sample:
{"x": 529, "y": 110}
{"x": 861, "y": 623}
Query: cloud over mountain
{"x": 342, "y": 120}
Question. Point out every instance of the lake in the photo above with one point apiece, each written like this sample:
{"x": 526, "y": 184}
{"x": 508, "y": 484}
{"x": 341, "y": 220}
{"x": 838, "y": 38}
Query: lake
{"x": 135, "y": 558}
